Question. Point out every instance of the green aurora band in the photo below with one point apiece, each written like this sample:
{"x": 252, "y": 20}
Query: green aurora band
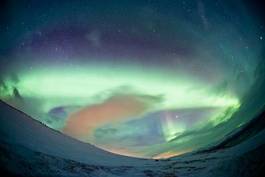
{"x": 90, "y": 85}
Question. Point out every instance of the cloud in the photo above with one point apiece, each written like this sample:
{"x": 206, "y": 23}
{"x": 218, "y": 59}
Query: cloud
{"x": 119, "y": 107}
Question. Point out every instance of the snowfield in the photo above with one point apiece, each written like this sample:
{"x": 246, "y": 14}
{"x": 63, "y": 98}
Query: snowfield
{"x": 29, "y": 148}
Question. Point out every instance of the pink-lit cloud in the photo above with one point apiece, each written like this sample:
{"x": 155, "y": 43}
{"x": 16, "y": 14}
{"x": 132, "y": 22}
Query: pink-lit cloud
{"x": 81, "y": 124}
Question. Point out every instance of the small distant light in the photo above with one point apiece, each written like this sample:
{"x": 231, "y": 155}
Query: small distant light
{"x": 177, "y": 116}
{"x": 260, "y": 37}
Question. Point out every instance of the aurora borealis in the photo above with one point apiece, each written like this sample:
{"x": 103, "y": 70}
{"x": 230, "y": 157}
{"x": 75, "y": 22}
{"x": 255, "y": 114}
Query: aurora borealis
{"x": 122, "y": 97}
{"x": 146, "y": 79}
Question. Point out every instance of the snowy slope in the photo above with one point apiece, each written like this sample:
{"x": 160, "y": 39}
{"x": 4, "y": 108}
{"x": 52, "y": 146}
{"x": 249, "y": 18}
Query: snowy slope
{"x": 19, "y": 129}
{"x": 21, "y": 161}
{"x": 28, "y": 148}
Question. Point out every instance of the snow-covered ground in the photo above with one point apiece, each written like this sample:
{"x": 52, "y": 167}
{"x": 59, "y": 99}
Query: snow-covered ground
{"x": 19, "y": 129}
{"x": 29, "y": 148}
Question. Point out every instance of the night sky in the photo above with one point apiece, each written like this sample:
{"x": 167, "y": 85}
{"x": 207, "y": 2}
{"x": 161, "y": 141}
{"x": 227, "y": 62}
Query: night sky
{"x": 139, "y": 78}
